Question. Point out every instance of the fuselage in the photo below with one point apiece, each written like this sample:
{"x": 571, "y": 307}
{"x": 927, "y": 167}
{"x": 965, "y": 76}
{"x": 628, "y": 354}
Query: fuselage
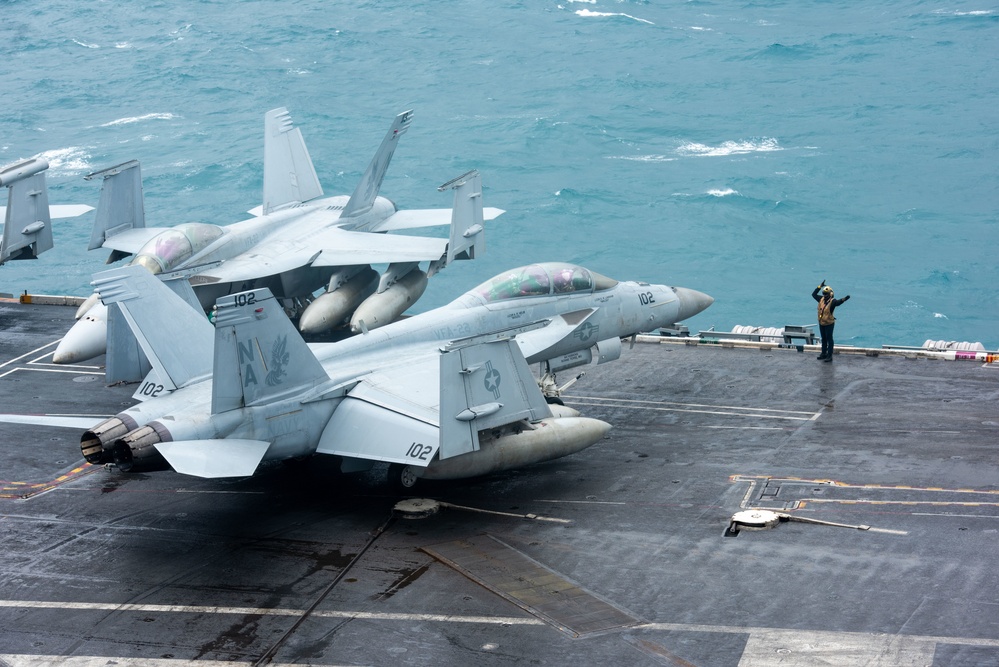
{"x": 604, "y": 309}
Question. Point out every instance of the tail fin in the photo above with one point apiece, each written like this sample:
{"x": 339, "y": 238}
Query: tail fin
{"x": 143, "y": 299}
{"x": 367, "y": 189}
{"x": 120, "y": 207}
{"x": 259, "y": 355}
{"x": 289, "y": 176}
{"x": 27, "y": 231}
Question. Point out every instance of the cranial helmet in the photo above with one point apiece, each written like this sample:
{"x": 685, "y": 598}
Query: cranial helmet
{"x": 827, "y": 290}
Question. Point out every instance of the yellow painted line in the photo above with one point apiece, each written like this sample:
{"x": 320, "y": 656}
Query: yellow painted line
{"x": 846, "y": 485}
{"x": 24, "y": 490}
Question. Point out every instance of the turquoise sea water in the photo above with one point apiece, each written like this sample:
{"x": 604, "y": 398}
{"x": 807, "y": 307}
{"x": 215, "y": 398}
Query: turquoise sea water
{"x": 748, "y": 150}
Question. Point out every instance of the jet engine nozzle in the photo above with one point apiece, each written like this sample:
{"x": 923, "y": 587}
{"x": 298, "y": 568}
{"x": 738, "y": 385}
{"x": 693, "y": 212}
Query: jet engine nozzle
{"x": 94, "y": 443}
{"x": 135, "y": 451}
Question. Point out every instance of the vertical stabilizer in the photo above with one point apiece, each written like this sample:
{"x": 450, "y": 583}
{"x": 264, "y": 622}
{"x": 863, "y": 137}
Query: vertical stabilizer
{"x": 259, "y": 355}
{"x": 289, "y": 176}
{"x": 120, "y": 207}
{"x": 175, "y": 338}
{"x": 27, "y": 231}
{"x": 371, "y": 182}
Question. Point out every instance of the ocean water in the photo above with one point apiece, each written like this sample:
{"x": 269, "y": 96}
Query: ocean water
{"x": 748, "y": 150}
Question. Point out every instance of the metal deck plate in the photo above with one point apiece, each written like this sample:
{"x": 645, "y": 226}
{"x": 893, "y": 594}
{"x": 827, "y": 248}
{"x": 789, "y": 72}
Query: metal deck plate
{"x": 531, "y": 586}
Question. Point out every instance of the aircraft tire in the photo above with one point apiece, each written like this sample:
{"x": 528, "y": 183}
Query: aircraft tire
{"x": 401, "y": 477}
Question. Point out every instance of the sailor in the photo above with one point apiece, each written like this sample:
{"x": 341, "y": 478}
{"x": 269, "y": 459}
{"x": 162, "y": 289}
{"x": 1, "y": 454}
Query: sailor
{"x": 827, "y": 304}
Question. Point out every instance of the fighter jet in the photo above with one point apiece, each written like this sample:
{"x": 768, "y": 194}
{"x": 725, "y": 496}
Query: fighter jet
{"x": 27, "y": 230}
{"x": 446, "y": 394}
{"x": 297, "y": 243}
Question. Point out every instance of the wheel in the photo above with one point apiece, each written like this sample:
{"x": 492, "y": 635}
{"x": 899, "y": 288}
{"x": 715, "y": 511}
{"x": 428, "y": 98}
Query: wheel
{"x": 554, "y": 400}
{"x": 402, "y": 477}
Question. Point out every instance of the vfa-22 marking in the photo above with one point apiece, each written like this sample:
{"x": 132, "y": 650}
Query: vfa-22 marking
{"x": 419, "y": 451}
{"x": 646, "y": 298}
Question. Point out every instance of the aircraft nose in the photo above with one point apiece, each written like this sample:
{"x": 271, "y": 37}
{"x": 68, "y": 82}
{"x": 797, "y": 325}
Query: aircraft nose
{"x": 691, "y": 302}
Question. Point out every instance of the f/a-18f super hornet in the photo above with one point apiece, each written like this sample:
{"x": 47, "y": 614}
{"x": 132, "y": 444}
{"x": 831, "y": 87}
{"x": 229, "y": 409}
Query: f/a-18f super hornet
{"x": 446, "y": 394}
{"x": 298, "y": 243}
{"x": 27, "y": 230}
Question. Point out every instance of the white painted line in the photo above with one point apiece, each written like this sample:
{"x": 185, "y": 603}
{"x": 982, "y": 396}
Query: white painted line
{"x": 264, "y": 611}
{"x": 583, "y": 502}
{"x": 690, "y": 405}
{"x": 48, "y": 370}
{"x": 15, "y": 660}
{"x": 28, "y": 354}
{"x": 723, "y": 411}
{"x": 747, "y": 428}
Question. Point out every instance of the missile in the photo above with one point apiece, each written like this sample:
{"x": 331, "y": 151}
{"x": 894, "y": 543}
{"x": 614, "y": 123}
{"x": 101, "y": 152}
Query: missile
{"x": 381, "y": 308}
{"x": 86, "y": 339}
{"x": 333, "y": 307}
{"x": 21, "y": 170}
{"x": 548, "y": 439}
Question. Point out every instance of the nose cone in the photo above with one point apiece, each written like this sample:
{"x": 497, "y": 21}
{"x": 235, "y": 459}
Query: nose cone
{"x": 691, "y": 302}
{"x": 88, "y": 338}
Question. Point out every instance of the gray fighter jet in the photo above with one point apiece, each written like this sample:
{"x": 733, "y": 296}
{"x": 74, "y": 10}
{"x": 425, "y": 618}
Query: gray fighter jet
{"x": 298, "y": 243}
{"x": 446, "y": 394}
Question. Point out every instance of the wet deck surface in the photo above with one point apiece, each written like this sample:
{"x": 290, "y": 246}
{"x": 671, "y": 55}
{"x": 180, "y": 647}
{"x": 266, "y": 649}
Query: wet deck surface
{"x": 298, "y": 566}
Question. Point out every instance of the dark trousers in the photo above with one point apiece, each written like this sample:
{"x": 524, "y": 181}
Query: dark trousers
{"x": 826, "y": 331}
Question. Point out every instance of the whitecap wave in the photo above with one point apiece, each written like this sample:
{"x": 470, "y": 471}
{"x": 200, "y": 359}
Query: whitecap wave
{"x": 958, "y": 12}
{"x": 86, "y": 45}
{"x": 643, "y": 158}
{"x": 722, "y": 193}
{"x": 588, "y": 13}
{"x": 67, "y": 161}
{"x": 763, "y": 145}
{"x": 940, "y": 316}
{"x": 138, "y": 119}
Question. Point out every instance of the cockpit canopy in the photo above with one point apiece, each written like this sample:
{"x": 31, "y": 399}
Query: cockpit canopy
{"x": 549, "y": 278}
{"x": 170, "y": 248}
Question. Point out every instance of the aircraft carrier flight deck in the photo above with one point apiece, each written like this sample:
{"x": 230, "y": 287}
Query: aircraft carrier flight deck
{"x": 749, "y": 507}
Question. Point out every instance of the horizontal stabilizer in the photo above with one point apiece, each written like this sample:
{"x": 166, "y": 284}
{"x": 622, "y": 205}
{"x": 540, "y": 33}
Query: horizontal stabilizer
{"x": 59, "y": 421}
{"x": 214, "y": 458}
{"x": 68, "y": 210}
